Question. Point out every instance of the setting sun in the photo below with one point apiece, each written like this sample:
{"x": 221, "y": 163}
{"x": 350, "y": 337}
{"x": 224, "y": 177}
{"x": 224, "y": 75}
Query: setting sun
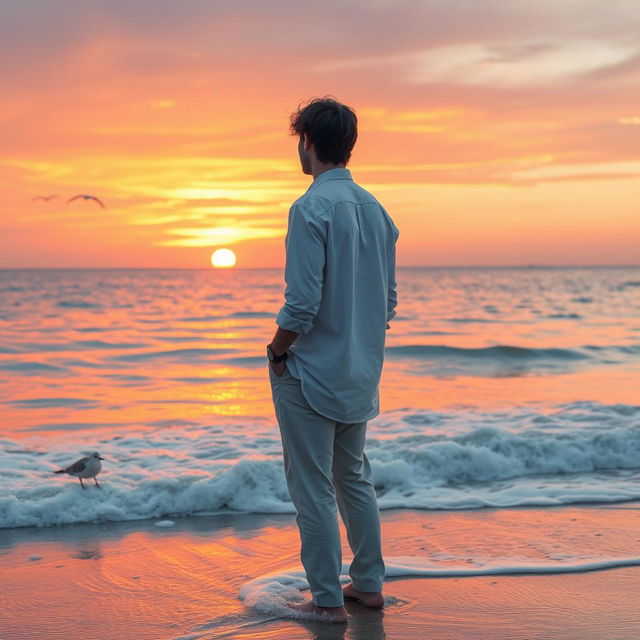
{"x": 223, "y": 258}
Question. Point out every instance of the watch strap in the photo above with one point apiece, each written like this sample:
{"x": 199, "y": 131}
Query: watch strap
{"x": 273, "y": 357}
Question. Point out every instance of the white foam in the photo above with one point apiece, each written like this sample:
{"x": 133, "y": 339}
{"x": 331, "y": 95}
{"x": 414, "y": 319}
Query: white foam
{"x": 164, "y": 523}
{"x": 270, "y": 594}
{"x": 460, "y": 459}
{"x": 411, "y": 566}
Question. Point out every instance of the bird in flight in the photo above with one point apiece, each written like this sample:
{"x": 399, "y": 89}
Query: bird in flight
{"x": 87, "y": 467}
{"x": 86, "y": 197}
{"x": 46, "y": 198}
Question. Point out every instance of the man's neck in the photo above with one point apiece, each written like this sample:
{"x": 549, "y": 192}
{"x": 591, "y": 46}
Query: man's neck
{"x": 321, "y": 168}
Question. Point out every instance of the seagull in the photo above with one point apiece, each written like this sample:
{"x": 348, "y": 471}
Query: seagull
{"x": 86, "y": 197}
{"x": 87, "y": 467}
{"x": 47, "y": 198}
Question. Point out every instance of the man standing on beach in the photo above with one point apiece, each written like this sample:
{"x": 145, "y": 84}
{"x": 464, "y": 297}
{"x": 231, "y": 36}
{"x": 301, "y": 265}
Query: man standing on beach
{"x": 326, "y": 358}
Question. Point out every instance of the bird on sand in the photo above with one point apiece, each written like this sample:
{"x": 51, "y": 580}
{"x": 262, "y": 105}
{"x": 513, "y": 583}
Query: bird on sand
{"x": 46, "y": 198}
{"x": 87, "y": 467}
{"x": 86, "y": 196}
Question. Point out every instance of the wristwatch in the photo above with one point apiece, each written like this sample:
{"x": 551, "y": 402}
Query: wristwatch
{"x": 273, "y": 357}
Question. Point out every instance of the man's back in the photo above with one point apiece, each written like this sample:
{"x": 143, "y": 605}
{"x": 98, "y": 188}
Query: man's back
{"x": 341, "y": 292}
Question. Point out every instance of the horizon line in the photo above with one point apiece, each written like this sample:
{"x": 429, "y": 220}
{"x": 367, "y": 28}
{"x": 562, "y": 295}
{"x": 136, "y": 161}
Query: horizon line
{"x": 416, "y": 266}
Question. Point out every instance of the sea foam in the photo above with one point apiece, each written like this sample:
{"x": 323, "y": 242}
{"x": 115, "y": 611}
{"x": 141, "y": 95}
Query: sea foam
{"x": 455, "y": 459}
{"x": 270, "y": 594}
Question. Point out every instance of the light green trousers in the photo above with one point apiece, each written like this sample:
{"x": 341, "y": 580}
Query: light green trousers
{"x": 324, "y": 462}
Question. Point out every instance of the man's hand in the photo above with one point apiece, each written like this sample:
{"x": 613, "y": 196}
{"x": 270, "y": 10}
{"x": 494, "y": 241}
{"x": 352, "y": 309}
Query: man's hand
{"x": 280, "y": 343}
{"x": 277, "y": 367}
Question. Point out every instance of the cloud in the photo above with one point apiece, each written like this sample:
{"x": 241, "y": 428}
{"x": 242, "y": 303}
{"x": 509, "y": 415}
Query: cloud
{"x": 220, "y": 235}
{"x": 629, "y": 120}
{"x": 606, "y": 170}
{"x": 502, "y": 65}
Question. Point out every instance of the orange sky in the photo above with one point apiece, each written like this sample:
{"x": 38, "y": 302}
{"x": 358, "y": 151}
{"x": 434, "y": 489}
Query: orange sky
{"x": 493, "y": 133}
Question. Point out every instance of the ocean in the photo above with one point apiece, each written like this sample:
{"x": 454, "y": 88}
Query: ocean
{"x": 502, "y": 387}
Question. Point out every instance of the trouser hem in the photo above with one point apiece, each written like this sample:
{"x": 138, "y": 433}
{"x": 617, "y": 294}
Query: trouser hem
{"x": 367, "y": 587}
{"x": 327, "y": 602}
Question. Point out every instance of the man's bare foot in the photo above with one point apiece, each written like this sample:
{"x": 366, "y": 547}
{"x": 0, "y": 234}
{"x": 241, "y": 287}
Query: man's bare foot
{"x": 369, "y": 599}
{"x": 334, "y": 614}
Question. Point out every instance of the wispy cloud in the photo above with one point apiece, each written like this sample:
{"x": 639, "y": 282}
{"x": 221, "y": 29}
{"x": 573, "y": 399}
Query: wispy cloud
{"x": 219, "y": 236}
{"x": 504, "y": 65}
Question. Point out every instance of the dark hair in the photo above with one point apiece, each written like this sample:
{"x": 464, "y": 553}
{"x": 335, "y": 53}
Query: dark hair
{"x": 332, "y": 127}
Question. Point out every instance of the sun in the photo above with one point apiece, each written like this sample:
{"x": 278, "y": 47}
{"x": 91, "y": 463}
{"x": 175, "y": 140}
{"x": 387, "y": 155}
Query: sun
{"x": 223, "y": 258}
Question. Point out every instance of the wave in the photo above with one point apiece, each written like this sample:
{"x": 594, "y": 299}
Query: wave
{"x": 77, "y": 304}
{"x": 468, "y": 320}
{"x": 494, "y": 352}
{"x": 627, "y": 285}
{"x": 180, "y": 354}
{"x": 29, "y": 367}
{"x": 582, "y": 299}
{"x": 586, "y": 453}
{"x": 50, "y": 403}
{"x": 6, "y": 350}
{"x": 236, "y": 314}
{"x": 198, "y": 318}
{"x": 506, "y": 360}
{"x": 497, "y": 360}
{"x": 102, "y": 344}
{"x": 72, "y": 345}
{"x": 269, "y": 594}
{"x": 246, "y": 361}
{"x": 252, "y": 314}
{"x": 569, "y": 316}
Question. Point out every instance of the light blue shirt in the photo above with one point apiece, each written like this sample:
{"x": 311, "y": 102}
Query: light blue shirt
{"x": 340, "y": 294}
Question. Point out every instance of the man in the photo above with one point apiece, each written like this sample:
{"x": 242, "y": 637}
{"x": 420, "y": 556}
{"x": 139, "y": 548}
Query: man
{"x": 326, "y": 358}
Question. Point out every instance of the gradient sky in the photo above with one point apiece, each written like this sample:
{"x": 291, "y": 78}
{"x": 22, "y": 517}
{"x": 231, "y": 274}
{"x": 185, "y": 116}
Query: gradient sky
{"x": 493, "y": 131}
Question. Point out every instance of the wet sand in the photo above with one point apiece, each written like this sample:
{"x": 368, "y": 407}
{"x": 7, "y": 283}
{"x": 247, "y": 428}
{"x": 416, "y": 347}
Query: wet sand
{"x": 137, "y": 580}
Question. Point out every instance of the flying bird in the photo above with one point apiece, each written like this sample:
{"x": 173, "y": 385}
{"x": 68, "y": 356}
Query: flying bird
{"x": 87, "y": 467}
{"x": 86, "y": 197}
{"x": 46, "y": 198}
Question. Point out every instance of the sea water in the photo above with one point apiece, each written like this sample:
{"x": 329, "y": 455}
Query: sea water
{"x": 501, "y": 387}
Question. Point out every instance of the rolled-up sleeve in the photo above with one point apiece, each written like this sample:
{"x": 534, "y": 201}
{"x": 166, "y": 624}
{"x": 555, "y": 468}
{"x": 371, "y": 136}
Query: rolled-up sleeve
{"x": 304, "y": 270}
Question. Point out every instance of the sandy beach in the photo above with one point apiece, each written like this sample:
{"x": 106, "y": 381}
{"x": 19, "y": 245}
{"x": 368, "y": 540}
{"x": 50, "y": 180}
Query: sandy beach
{"x": 154, "y": 580}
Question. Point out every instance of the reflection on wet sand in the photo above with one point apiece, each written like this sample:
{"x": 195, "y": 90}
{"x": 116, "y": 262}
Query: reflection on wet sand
{"x": 134, "y": 579}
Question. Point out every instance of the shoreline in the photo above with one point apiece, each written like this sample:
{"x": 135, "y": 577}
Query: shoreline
{"x": 135, "y": 579}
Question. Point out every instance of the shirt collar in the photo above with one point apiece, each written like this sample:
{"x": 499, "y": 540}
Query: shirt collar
{"x": 339, "y": 173}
